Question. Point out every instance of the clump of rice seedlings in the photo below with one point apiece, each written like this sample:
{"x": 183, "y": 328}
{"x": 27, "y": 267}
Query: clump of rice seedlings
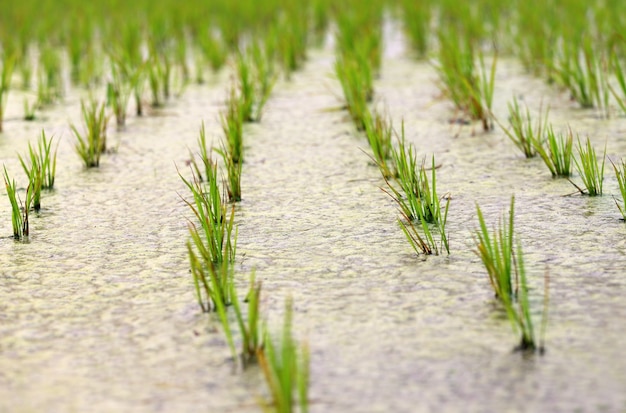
{"x": 119, "y": 90}
{"x": 246, "y": 87}
{"x": 579, "y": 69}
{"x": 355, "y": 76}
{"x": 522, "y": 132}
{"x": 468, "y": 85}
{"x": 291, "y": 33}
{"x": 6, "y": 71}
{"x": 91, "y": 144}
{"x": 213, "y": 244}
{"x": 497, "y": 252}
{"x": 589, "y": 169}
{"x": 213, "y": 51}
{"x": 620, "y": 174}
{"x": 19, "y": 212}
{"x": 378, "y": 130}
{"x": 233, "y": 174}
{"x": 556, "y": 152}
{"x": 419, "y": 202}
{"x": 29, "y": 110}
{"x": 615, "y": 67}
{"x": 159, "y": 73}
{"x": 519, "y": 314}
{"x": 251, "y": 340}
{"x": 285, "y": 367}
{"x": 232, "y": 124}
{"x": 265, "y": 77}
{"x": 49, "y": 84}
{"x": 416, "y": 18}
{"x": 42, "y": 160}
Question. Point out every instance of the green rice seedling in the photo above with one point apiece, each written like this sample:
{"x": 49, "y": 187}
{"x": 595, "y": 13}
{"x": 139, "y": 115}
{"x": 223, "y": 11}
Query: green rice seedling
{"x": 159, "y": 71}
{"x": 232, "y": 124}
{"x": 497, "y": 252}
{"x": 522, "y": 133}
{"x": 470, "y": 87}
{"x": 246, "y": 87}
{"x": 519, "y": 315}
{"x": 416, "y": 18}
{"x": 29, "y": 110}
{"x": 215, "y": 240}
{"x": 233, "y": 173}
{"x": 49, "y": 85}
{"x": 6, "y": 71}
{"x": 213, "y": 51}
{"x": 556, "y": 152}
{"x": 19, "y": 213}
{"x": 615, "y": 67}
{"x": 285, "y": 366}
{"x": 251, "y": 340}
{"x": 589, "y": 169}
{"x": 356, "y": 81}
{"x": 378, "y": 130}
{"x": 579, "y": 69}
{"x": 265, "y": 77}
{"x": 43, "y": 160}
{"x": 620, "y": 174}
{"x": 92, "y": 143}
{"x": 119, "y": 89}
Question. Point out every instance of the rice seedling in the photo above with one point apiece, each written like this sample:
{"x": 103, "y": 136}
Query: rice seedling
{"x": 588, "y": 168}
{"x": 522, "y": 133}
{"x": 91, "y": 144}
{"x": 159, "y": 70}
{"x": 615, "y": 67}
{"x": 43, "y": 160}
{"x": 378, "y": 130}
{"x": 579, "y": 69}
{"x": 416, "y": 18}
{"x": 233, "y": 174}
{"x": 49, "y": 85}
{"x": 469, "y": 86}
{"x": 19, "y": 212}
{"x": 215, "y": 240}
{"x": 264, "y": 75}
{"x": 232, "y": 124}
{"x": 519, "y": 315}
{"x": 356, "y": 81}
{"x": 418, "y": 201}
{"x": 6, "y": 71}
{"x": 498, "y": 254}
{"x": 29, "y": 110}
{"x": 556, "y": 152}
{"x": 213, "y": 51}
{"x": 246, "y": 87}
{"x": 119, "y": 89}
{"x": 285, "y": 366}
{"x": 251, "y": 340}
{"x": 620, "y": 174}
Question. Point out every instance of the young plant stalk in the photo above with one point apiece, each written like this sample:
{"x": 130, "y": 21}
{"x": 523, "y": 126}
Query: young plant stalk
{"x": 92, "y": 143}
{"x": 19, "y": 212}
{"x": 251, "y": 340}
{"x": 42, "y": 160}
{"x": 620, "y": 174}
{"x": 556, "y": 153}
{"x": 285, "y": 367}
{"x": 521, "y": 132}
{"x": 6, "y": 71}
{"x": 589, "y": 169}
{"x": 379, "y": 131}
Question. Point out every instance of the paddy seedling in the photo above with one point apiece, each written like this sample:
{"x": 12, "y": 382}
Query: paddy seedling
{"x": 497, "y": 252}
{"x": 92, "y": 143}
{"x": 40, "y": 166}
{"x": 49, "y": 84}
{"x": 355, "y": 76}
{"x": 264, "y": 75}
{"x": 119, "y": 90}
{"x": 246, "y": 86}
{"x": 620, "y": 174}
{"x": 29, "y": 110}
{"x": 416, "y": 17}
{"x": 556, "y": 152}
{"x": 19, "y": 212}
{"x": 232, "y": 124}
{"x": 589, "y": 169}
{"x": 522, "y": 132}
{"x": 233, "y": 174}
{"x": 468, "y": 85}
{"x": 379, "y": 130}
{"x": 285, "y": 366}
{"x": 6, "y": 71}
{"x": 212, "y": 50}
{"x": 251, "y": 340}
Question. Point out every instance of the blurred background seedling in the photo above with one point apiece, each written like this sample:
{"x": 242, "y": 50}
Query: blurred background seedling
{"x": 590, "y": 170}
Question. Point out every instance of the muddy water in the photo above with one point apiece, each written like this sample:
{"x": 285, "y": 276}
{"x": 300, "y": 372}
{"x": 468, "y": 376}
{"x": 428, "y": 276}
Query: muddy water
{"x": 97, "y": 312}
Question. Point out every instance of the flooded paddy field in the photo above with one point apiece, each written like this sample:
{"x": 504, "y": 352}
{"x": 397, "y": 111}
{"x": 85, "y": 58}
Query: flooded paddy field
{"x": 98, "y": 311}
